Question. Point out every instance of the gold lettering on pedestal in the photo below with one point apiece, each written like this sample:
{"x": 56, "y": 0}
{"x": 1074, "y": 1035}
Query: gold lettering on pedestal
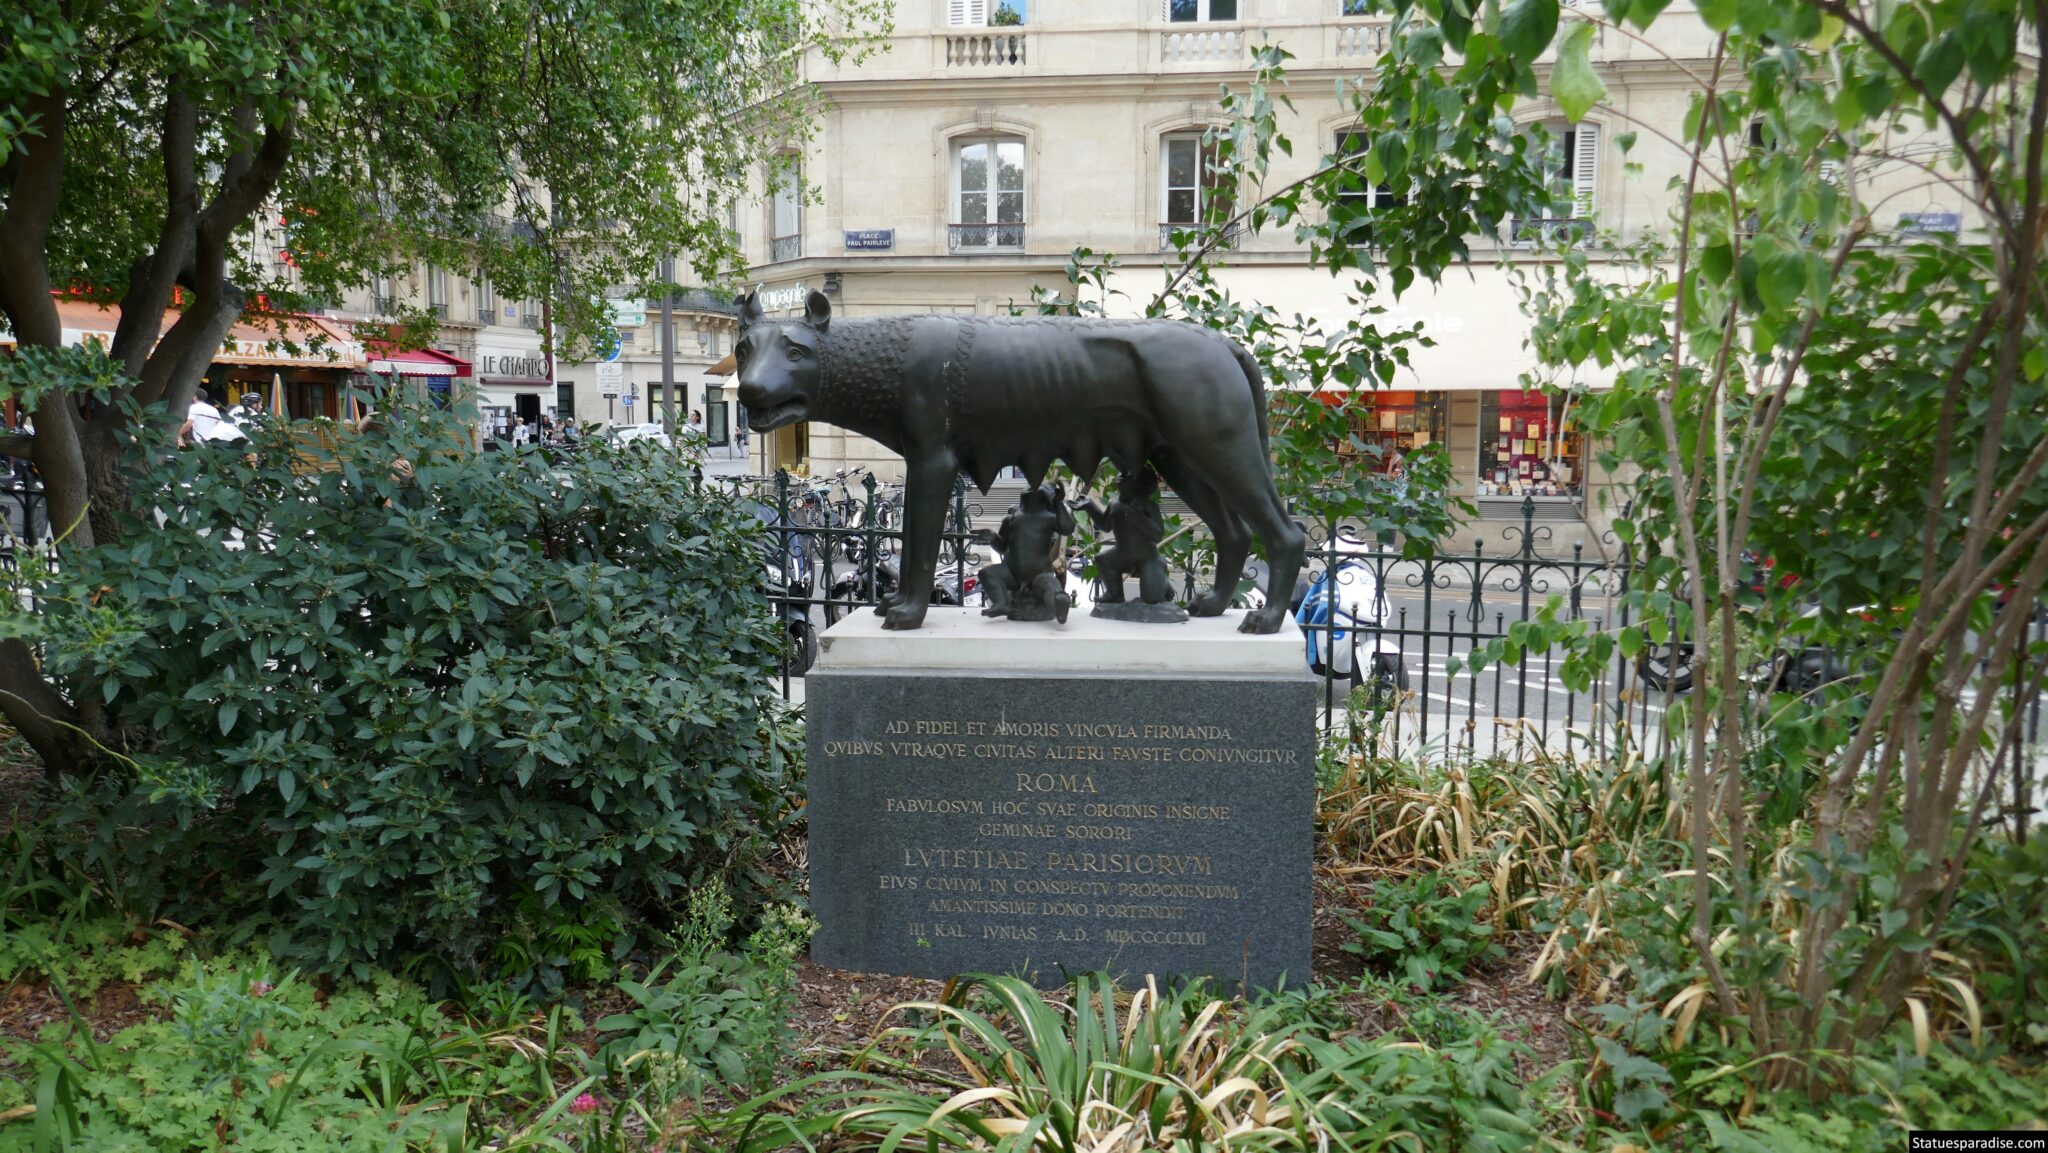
{"x": 1020, "y": 895}
{"x": 1056, "y": 783}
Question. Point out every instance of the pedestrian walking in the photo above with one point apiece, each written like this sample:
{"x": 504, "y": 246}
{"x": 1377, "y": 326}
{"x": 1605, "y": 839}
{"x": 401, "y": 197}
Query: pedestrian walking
{"x": 521, "y": 434}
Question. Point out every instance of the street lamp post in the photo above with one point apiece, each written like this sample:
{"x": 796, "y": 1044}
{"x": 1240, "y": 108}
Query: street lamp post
{"x": 668, "y": 345}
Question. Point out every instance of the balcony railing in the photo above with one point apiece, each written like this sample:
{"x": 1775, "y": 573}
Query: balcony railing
{"x": 386, "y": 305}
{"x": 1224, "y": 47}
{"x": 985, "y": 49}
{"x": 439, "y": 309}
{"x": 985, "y": 237}
{"x": 487, "y": 313}
{"x": 1232, "y": 233}
{"x": 530, "y": 320}
{"x": 1551, "y": 231}
{"x": 1362, "y": 39}
{"x": 785, "y": 248}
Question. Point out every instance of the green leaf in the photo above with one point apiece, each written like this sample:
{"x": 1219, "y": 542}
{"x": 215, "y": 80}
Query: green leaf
{"x": 1573, "y": 83}
{"x": 1781, "y": 277}
{"x": 1526, "y": 28}
{"x": 1632, "y": 1103}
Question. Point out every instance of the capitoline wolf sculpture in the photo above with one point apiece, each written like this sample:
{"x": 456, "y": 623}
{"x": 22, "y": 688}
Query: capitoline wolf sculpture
{"x": 972, "y": 394}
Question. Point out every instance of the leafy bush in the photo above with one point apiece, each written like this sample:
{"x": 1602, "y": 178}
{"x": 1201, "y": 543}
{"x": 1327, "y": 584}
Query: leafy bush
{"x": 246, "y": 1061}
{"x": 2001, "y": 920}
{"x": 717, "y": 1017}
{"x": 427, "y": 695}
{"x": 1430, "y": 926}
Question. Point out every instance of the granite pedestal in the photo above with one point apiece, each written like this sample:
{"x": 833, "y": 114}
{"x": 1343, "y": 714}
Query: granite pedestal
{"x": 1009, "y": 797}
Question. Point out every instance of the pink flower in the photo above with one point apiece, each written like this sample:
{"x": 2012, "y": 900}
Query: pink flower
{"x": 584, "y": 1104}
{"x": 260, "y": 988}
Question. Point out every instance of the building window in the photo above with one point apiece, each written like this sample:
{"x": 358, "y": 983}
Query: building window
{"x": 1195, "y": 194}
{"x": 986, "y": 13}
{"x": 1527, "y": 445}
{"x": 786, "y": 235}
{"x": 437, "y": 291}
{"x": 1191, "y": 11}
{"x": 1357, "y": 192}
{"x": 1390, "y": 425}
{"x": 1572, "y": 163}
{"x": 486, "y": 299}
{"x": 384, "y": 295}
{"x": 988, "y": 176}
{"x": 1352, "y": 7}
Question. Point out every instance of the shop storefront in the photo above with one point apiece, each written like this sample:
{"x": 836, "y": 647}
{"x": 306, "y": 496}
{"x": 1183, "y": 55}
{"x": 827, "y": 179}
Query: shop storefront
{"x": 1390, "y": 425}
{"x": 515, "y": 384}
{"x": 313, "y": 359}
{"x": 438, "y": 376}
{"x": 1527, "y": 446}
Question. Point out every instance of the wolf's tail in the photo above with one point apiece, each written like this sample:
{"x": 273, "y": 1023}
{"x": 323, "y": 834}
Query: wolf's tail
{"x": 1258, "y": 384}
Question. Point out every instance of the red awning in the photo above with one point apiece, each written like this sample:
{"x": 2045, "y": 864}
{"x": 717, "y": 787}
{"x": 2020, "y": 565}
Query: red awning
{"x": 385, "y": 360}
{"x": 279, "y": 340}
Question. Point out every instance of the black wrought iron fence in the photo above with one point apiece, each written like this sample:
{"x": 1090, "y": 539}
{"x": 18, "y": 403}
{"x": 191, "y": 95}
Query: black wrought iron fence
{"x": 26, "y": 511}
{"x": 1390, "y": 636}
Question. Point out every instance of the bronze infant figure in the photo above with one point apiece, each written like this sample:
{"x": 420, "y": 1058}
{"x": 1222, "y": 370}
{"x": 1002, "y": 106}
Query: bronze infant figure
{"x": 1023, "y": 585}
{"x": 972, "y": 394}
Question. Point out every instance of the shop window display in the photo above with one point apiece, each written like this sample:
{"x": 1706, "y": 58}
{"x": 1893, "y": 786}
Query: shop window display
{"x": 1397, "y": 423}
{"x": 1527, "y": 446}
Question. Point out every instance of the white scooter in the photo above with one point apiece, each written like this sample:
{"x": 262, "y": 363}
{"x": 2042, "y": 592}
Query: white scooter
{"x": 1341, "y": 612}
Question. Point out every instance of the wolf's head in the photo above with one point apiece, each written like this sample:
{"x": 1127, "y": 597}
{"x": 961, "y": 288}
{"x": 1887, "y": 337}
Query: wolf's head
{"x": 777, "y": 362}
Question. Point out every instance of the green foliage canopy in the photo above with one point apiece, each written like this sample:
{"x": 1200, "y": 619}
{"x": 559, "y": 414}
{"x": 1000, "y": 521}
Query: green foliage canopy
{"x": 430, "y": 694}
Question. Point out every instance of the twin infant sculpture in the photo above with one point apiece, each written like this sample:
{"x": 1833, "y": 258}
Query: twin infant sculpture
{"x": 1024, "y": 586}
{"x": 1160, "y": 399}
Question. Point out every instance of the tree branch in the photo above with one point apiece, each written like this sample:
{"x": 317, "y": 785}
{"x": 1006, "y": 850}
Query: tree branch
{"x": 25, "y": 227}
{"x": 153, "y": 277}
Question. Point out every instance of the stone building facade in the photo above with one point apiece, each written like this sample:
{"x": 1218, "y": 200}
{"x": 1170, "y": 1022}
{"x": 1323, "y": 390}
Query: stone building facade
{"x": 960, "y": 167}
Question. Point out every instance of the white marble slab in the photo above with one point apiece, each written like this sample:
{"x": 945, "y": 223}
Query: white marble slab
{"x": 961, "y": 638}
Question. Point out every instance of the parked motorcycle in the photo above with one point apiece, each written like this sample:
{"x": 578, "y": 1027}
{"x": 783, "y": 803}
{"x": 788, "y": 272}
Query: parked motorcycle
{"x": 786, "y": 580}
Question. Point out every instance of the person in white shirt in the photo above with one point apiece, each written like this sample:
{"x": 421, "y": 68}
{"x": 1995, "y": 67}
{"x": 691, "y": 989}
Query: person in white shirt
{"x": 204, "y": 423}
{"x": 521, "y": 433}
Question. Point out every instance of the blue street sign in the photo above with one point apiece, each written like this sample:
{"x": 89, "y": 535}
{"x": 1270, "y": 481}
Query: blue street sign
{"x": 870, "y": 239}
{"x": 1931, "y": 222}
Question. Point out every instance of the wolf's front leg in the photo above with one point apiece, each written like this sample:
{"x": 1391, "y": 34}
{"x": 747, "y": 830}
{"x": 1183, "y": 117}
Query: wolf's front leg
{"x": 927, "y": 490}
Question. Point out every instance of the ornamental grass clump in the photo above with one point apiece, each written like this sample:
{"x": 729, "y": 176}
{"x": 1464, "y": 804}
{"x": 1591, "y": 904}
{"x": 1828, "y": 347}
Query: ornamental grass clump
{"x": 995, "y": 1066}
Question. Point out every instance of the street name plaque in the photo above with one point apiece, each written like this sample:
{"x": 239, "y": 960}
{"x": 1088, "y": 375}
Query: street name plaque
{"x": 1063, "y": 814}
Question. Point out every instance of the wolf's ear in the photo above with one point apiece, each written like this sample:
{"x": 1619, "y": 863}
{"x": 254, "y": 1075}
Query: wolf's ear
{"x": 750, "y": 309}
{"x": 817, "y": 311}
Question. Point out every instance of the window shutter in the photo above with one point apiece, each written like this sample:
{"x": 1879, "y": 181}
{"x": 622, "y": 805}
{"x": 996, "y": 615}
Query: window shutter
{"x": 1585, "y": 168}
{"x": 967, "y": 13}
{"x": 1166, "y": 11}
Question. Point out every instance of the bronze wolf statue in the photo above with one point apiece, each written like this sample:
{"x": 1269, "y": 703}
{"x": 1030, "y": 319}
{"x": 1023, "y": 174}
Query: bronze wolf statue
{"x": 968, "y": 394}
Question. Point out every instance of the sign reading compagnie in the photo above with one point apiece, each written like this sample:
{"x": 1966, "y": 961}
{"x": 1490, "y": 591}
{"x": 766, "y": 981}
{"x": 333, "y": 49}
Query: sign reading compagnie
{"x": 964, "y": 833}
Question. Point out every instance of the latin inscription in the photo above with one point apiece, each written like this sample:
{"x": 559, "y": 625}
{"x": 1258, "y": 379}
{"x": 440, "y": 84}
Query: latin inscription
{"x": 1057, "y": 854}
